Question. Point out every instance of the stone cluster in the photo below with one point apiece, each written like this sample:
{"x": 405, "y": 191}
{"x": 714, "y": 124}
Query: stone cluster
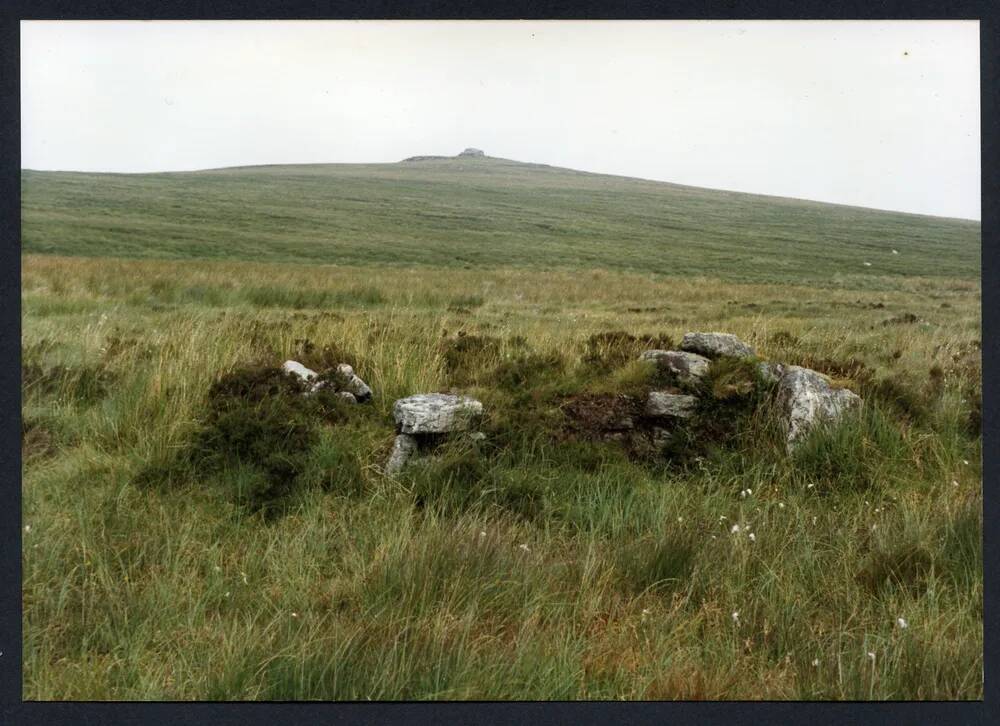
{"x": 342, "y": 379}
{"x": 805, "y": 397}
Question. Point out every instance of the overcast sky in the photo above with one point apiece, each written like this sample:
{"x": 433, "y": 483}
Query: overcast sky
{"x": 877, "y": 114}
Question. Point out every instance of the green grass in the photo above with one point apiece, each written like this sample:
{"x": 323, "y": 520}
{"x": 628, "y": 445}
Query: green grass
{"x": 187, "y": 539}
{"x": 535, "y": 565}
{"x": 482, "y": 213}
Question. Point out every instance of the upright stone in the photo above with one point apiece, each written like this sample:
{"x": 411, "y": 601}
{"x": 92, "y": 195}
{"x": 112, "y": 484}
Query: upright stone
{"x": 807, "y": 400}
{"x": 403, "y": 449}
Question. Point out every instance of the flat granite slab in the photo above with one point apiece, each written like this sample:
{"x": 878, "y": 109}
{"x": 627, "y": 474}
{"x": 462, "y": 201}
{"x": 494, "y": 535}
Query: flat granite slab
{"x": 435, "y": 413}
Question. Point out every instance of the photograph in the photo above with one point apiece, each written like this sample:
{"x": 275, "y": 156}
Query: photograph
{"x": 500, "y": 360}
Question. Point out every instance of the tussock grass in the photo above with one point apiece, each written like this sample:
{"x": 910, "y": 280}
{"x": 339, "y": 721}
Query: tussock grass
{"x": 533, "y": 565}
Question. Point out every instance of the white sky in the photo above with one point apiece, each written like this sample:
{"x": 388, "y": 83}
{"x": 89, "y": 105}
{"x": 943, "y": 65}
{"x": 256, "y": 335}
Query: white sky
{"x": 877, "y": 114}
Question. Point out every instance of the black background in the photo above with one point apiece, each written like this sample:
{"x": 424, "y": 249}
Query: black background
{"x": 13, "y": 710}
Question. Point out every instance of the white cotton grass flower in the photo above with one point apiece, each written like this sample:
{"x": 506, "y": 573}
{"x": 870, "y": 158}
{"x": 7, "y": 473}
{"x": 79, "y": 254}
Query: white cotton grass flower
{"x": 902, "y": 624}
{"x": 745, "y": 493}
{"x": 736, "y": 616}
{"x": 27, "y": 529}
{"x": 954, "y": 482}
{"x": 680, "y": 519}
{"x": 244, "y": 576}
{"x": 645, "y": 612}
{"x": 524, "y": 548}
{"x": 735, "y": 529}
{"x": 895, "y": 252}
{"x": 781, "y": 505}
{"x": 482, "y": 534}
{"x": 217, "y": 568}
{"x": 815, "y": 662}
{"x": 295, "y": 615}
{"x": 871, "y": 656}
{"x": 965, "y": 461}
{"x": 752, "y": 537}
{"x": 810, "y": 486}
{"x": 867, "y": 264}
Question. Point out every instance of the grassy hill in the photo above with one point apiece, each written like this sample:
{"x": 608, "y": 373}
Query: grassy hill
{"x": 481, "y": 213}
{"x": 185, "y": 538}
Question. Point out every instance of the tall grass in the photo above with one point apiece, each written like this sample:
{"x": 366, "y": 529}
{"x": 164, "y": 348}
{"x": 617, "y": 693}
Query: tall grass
{"x": 531, "y": 566}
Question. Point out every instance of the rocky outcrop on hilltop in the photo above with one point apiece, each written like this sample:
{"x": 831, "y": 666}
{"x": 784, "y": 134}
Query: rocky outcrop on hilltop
{"x": 464, "y": 154}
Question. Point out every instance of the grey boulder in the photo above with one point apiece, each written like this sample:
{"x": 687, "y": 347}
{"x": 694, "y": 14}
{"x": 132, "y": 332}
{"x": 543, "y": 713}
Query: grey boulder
{"x": 354, "y": 385}
{"x": 715, "y": 345}
{"x": 293, "y": 367}
{"x": 661, "y": 404}
{"x": 687, "y": 367}
{"x": 807, "y": 400}
{"x": 435, "y": 413}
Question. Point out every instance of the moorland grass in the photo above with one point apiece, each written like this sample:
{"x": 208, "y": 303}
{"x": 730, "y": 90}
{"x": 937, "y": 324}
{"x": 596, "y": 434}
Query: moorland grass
{"x": 534, "y": 565}
{"x": 477, "y": 213}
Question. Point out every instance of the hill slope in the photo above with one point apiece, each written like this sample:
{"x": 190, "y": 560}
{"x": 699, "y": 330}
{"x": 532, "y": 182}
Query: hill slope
{"x": 480, "y": 212}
